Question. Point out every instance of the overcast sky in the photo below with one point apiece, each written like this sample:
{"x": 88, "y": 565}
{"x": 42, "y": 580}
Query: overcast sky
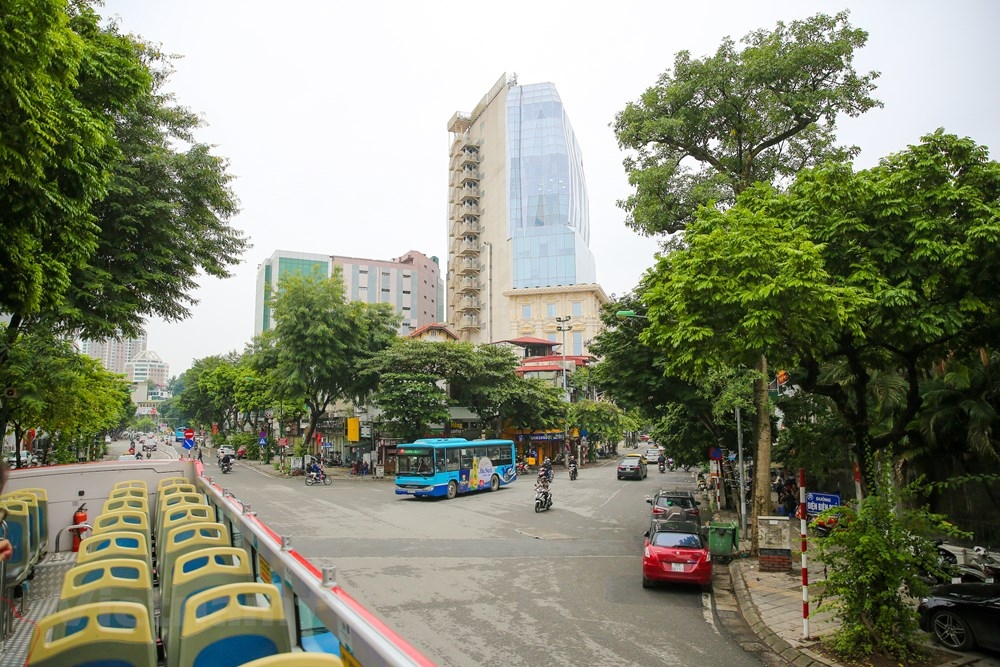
{"x": 333, "y": 116}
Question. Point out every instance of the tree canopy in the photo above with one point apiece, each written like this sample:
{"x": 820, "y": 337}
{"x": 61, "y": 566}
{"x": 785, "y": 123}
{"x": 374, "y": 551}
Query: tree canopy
{"x": 713, "y": 126}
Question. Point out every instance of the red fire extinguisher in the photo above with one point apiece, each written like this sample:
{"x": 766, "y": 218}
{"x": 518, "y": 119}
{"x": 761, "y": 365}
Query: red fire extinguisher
{"x": 79, "y": 517}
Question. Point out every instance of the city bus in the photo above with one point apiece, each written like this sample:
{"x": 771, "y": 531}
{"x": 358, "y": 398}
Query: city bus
{"x": 179, "y": 433}
{"x": 450, "y": 466}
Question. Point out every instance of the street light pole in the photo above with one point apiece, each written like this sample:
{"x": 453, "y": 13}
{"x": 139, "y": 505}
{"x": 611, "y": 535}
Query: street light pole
{"x": 564, "y": 327}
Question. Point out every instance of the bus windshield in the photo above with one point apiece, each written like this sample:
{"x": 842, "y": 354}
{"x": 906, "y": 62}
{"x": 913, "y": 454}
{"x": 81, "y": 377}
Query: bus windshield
{"x": 415, "y": 461}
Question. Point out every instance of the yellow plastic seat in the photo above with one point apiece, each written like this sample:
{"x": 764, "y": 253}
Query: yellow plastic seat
{"x": 185, "y": 538}
{"x": 18, "y": 531}
{"x": 121, "y": 504}
{"x": 170, "y": 502}
{"x": 192, "y": 573}
{"x": 124, "y": 520}
{"x": 128, "y": 492}
{"x": 34, "y": 523}
{"x": 121, "y": 631}
{"x": 233, "y": 624}
{"x": 108, "y": 580}
{"x": 170, "y": 481}
{"x": 297, "y": 660}
{"x": 121, "y": 544}
{"x": 43, "y": 514}
{"x": 179, "y": 514}
{"x": 131, "y": 483}
{"x": 179, "y": 485}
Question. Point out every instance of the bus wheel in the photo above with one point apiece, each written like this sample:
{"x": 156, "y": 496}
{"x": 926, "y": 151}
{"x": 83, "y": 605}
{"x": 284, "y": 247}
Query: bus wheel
{"x": 494, "y": 483}
{"x": 452, "y": 489}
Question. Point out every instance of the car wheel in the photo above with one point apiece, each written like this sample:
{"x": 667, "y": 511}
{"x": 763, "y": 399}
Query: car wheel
{"x": 646, "y": 583}
{"x": 952, "y": 631}
{"x": 619, "y": 478}
{"x": 494, "y": 483}
{"x": 452, "y": 489}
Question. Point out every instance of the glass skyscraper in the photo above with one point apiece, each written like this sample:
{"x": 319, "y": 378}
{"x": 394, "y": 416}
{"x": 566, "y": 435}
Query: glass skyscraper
{"x": 519, "y": 222}
{"x": 549, "y": 215}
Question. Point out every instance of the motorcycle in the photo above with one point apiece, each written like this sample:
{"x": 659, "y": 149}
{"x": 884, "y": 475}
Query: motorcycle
{"x": 662, "y": 467}
{"x": 573, "y": 471}
{"x": 522, "y": 468}
{"x": 226, "y": 467}
{"x": 543, "y": 499}
{"x": 318, "y": 478}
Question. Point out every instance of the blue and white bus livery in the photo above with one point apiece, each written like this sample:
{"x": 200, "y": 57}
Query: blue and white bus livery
{"x": 450, "y": 466}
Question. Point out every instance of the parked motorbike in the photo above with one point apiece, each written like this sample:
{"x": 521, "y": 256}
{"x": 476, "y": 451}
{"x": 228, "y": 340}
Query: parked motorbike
{"x": 573, "y": 471}
{"x": 543, "y": 499}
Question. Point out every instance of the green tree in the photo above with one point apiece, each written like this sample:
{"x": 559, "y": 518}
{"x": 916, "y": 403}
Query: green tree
{"x": 321, "y": 341}
{"x": 106, "y": 220}
{"x": 759, "y": 114}
{"x": 486, "y": 383}
{"x": 535, "y": 404}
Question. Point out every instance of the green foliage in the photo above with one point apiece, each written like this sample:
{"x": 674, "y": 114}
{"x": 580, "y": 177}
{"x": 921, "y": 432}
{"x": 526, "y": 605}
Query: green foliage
{"x": 875, "y": 557}
{"x": 759, "y": 114}
{"x": 535, "y": 404}
{"x": 321, "y": 341}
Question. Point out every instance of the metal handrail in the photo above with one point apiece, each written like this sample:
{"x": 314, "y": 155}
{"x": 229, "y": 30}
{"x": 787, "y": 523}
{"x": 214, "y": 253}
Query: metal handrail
{"x": 80, "y": 526}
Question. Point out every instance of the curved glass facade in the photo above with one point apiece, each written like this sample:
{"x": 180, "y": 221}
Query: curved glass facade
{"x": 549, "y": 212}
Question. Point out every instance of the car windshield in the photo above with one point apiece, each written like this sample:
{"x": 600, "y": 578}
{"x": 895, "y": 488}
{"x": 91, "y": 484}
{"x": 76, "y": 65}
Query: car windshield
{"x": 665, "y": 501}
{"x": 680, "y": 540}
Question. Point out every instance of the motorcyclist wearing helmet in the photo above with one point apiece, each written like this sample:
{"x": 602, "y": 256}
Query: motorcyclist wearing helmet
{"x": 547, "y": 468}
{"x": 314, "y": 470}
{"x": 542, "y": 482}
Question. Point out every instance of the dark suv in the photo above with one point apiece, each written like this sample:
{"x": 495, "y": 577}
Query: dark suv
{"x": 663, "y": 500}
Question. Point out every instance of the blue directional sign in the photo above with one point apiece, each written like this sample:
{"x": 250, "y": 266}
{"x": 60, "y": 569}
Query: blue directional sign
{"x": 819, "y": 502}
{"x": 262, "y": 442}
{"x": 188, "y": 443}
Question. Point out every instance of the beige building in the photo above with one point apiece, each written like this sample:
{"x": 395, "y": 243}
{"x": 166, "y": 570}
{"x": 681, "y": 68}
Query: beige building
{"x": 519, "y": 225}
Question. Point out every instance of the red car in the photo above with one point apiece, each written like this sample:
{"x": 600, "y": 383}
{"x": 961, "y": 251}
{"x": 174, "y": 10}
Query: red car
{"x": 676, "y": 551}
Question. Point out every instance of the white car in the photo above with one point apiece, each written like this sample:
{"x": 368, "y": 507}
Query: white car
{"x": 223, "y": 450}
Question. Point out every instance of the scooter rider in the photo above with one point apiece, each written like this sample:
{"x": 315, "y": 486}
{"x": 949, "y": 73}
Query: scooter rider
{"x": 542, "y": 484}
{"x": 547, "y": 469}
{"x": 315, "y": 471}
{"x": 661, "y": 461}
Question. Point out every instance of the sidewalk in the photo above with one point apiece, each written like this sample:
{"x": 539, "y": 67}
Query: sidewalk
{"x": 771, "y": 604}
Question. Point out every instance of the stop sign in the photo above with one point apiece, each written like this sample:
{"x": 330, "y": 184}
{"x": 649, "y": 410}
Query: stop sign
{"x": 189, "y": 434}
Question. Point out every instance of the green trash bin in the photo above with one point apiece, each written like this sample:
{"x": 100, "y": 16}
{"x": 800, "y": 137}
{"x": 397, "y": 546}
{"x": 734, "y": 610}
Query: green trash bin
{"x": 723, "y": 538}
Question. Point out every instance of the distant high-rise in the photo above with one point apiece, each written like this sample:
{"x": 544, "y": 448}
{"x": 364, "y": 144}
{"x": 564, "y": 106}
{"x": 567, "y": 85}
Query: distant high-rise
{"x": 519, "y": 222}
{"x": 114, "y": 353}
{"x": 411, "y": 283}
{"x": 147, "y": 366}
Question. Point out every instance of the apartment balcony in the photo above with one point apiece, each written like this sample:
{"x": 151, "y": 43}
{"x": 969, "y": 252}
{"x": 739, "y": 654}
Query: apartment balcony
{"x": 464, "y": 208}
{"x": 468, "y": 267}
{"x": 464, "y": 194}
{"x": 470, "y": 305}
{"x": 467, "y": 227}
{"x": 460, "y": 177}
{"x": 468, "y": 286}
{"x": 469, "y": 248}
{"x": 468, "y": 323}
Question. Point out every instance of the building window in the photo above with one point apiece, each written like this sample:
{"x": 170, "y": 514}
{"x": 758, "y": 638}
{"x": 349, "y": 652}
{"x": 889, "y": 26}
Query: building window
{"x": 550, "y": 310}
{"x": 577, "y": 308}
{"x": 526, "y": 312}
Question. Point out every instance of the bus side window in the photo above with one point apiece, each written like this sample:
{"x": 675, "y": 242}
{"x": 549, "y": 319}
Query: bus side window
{"x": 494, "y": 454}
{"x": 453, "y": 459}
{"x": 466, "y": 460}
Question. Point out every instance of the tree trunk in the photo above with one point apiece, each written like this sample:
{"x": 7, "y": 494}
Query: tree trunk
{"x": 762, "y": 460}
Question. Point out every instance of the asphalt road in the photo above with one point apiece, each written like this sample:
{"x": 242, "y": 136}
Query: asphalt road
{"x": 483, "y": 579}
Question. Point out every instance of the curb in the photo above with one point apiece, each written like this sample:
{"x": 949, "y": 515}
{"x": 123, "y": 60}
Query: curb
{"x": 803, "y": 656}
{"x": 790, "y": 654}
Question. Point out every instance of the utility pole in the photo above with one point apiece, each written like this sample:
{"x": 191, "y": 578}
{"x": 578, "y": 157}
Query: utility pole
{"x": 564, "y": 327}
